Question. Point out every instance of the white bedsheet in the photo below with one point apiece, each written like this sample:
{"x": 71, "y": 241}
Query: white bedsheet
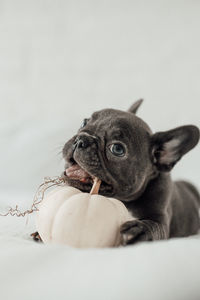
{"x": 160, "y": 270}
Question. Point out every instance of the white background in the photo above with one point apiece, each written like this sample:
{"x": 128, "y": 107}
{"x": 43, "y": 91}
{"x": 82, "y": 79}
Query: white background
{"x": 62, "y": 60}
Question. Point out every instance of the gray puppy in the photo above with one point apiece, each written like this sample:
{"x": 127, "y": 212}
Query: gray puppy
{"x": 134, "y": 165}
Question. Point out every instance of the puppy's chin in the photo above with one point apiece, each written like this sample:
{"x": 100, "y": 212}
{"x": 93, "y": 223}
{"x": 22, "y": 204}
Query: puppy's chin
{"x": 84, "y": 184}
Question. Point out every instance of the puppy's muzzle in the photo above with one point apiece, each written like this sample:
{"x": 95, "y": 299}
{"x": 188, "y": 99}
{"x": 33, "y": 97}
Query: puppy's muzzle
{"x": 83, "y": 141}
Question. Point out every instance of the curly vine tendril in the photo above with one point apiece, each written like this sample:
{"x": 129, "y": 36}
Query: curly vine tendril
{"x": 39, "y": 196}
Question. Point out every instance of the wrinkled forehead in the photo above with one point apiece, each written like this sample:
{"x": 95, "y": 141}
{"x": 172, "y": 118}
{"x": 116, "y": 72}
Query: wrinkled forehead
{"x": 120, "y": 124}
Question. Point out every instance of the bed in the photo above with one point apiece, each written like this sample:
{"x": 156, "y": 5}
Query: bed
{"x": 163, "y": 270}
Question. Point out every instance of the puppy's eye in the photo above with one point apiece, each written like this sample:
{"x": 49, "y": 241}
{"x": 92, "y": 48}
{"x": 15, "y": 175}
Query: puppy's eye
{"x": 84, "y": 123}
{"x": 117, "y": 149}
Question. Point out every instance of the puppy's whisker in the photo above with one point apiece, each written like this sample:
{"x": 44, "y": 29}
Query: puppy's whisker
{"x": 60, "y": 159}
{"x": 59, "y": 153}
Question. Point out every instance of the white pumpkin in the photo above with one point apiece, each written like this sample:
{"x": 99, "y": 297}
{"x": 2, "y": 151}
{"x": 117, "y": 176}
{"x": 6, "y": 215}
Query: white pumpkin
{"x": 68, "y": 216}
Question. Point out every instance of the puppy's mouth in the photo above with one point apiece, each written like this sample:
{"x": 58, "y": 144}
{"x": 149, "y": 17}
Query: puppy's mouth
{"x": 78, "y": 177}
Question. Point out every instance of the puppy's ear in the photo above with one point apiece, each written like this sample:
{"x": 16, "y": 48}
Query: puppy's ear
{"x": 134, "y": 107}
{"x": 168, "y": 147}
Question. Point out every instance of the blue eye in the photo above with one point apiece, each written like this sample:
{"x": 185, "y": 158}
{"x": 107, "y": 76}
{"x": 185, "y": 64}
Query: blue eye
{"x": 117, "y": 149}
{"x": 84, "y": 123}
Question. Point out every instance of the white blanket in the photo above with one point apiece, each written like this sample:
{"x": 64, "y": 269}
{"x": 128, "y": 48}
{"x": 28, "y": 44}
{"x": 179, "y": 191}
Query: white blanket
{"x": 158, "y": 271}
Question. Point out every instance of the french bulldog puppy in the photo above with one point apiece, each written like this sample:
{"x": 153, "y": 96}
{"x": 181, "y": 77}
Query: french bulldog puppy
{"x": 134, "y": 165}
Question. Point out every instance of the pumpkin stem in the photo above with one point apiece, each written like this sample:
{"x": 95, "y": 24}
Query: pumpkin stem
{"x": 96, "y": 186}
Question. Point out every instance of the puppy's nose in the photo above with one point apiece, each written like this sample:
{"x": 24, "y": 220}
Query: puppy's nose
{"x": 82, "y": 141}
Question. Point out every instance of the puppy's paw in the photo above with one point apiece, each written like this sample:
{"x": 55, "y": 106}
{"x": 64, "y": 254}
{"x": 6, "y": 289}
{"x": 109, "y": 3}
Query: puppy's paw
{"x": 135, "y": 231}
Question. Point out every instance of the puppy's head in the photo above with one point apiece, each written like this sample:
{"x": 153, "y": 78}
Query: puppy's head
{"x": 120, "y": 149}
